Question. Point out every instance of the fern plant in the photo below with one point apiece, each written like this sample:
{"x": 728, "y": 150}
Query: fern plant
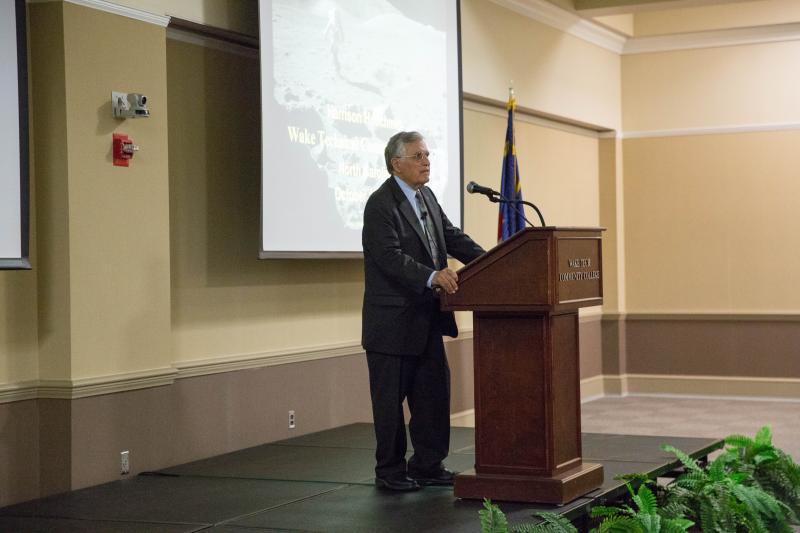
{"x": 724, "y": 500}
{"x": 646, "y": 518}
{"x": 493, "y": 520}
{"x": 773, "y": 469}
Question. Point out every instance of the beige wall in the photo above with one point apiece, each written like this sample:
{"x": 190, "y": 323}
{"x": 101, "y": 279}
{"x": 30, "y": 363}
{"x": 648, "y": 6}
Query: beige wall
{"x": 728, "y": 86}
{"x": 119, "y": 250}
{"x": 623, "y": 24}
{"x": 225, "y": 302}
{"x": 552, "y": 71}
{"x": 49, "y": 178}
{"x": 612, "y": 218}
{"x": 711, "y": 223}
{"x": 712, "y": 17}
{"x": 725, "y": 198}
{"x": 19, "y": 350}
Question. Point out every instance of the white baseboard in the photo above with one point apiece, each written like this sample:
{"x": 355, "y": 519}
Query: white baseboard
{"x": 733, "y": 387}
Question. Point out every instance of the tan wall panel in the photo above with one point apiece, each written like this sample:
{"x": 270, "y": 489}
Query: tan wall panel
{"x": 611, "y": 218}
{"x": 118, "y": 217}
{"x": 712, "y": 87}
{"x": 735, "y": 14}
{"x": 49, "y": 154}
{"x": 591, "y": 344}
{"x": 552, "y": 71}
{"x": 210, "y": 415}
{"x": 224, "y": 300}
{"x": 19, "y": 346}
{"x": 711, "y": 223}
{"x": 752, "y": 348}
{"x": 19, "y": 452}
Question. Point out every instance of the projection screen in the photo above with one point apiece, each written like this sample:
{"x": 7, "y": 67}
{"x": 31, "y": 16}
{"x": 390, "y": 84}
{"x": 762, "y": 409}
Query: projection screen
{"x": 338, "y": 78}
{"x": 13, "y": 137}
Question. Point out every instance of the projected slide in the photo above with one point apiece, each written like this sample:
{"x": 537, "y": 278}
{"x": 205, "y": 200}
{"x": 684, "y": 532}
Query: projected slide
{"x": 338, "y": 78}
{"x": 13, "y": 137}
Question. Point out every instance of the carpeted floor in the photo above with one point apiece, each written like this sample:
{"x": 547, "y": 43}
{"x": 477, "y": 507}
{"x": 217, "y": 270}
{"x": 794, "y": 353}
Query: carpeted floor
{"x": 695, "y": 417}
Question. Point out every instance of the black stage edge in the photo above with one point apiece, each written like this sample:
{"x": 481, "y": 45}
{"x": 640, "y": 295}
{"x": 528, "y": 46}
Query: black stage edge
{"x": 321, "y": 482}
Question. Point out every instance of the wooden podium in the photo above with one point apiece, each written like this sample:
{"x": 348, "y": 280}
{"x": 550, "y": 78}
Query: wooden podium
{"x": 525, "y": 294}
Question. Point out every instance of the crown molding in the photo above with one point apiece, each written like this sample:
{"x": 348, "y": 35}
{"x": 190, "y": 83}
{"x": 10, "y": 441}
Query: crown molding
{"x": 211, "y": 43}
{"x": 116, "y": 9}
{"x": 566, "y": 21}
{"x": 497, "y": 109}
{"x": 713, "y": 130}
{"x": 713, "y": 39}
{"x": 577, "y": 26}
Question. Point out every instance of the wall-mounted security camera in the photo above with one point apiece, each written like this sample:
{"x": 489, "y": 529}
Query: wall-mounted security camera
{"x": 129, "y": 105}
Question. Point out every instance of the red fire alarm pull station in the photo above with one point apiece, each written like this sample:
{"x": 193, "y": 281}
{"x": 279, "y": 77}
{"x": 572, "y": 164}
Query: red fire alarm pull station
{"x": 123, "y": 149}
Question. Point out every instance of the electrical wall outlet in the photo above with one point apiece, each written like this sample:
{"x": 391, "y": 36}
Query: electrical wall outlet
{"x": 125, "y": 462}
{"x": 292, "y": 420}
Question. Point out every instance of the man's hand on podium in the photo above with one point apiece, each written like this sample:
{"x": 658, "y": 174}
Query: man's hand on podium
{"x": 445, "y": 279}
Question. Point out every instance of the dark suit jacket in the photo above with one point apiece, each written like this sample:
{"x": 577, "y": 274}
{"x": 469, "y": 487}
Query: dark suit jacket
{"x": 398, "y": 307}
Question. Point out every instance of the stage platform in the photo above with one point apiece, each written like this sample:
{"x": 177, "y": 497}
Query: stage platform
{"x": 318, "y": 482}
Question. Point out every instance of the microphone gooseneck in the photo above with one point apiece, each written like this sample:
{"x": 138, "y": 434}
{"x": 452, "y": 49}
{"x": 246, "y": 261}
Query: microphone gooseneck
{"x": 496, "y": 197}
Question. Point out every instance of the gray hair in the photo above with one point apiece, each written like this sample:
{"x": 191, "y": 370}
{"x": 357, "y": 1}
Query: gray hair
{"x": 396, "y": 147}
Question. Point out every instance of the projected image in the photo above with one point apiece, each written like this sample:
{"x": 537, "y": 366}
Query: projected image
{"x": 350, "y": 63}
{"x": 339, "y": 77}
{"x": 13, "y": 138}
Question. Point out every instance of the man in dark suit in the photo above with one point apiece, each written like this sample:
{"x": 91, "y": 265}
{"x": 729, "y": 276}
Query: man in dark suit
{"x": 406, "y": 240}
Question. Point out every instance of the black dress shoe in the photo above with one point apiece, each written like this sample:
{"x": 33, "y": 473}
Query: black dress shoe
{"x": 440, "y": 476}
{"x": 397, "y": 482}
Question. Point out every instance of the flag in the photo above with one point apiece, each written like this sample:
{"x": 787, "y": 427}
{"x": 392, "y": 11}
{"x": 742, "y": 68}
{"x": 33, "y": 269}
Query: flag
{"x": 511, "y": 218}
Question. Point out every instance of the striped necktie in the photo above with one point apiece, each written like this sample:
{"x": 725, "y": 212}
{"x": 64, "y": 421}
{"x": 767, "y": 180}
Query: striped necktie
{"x": 428, "y": 229}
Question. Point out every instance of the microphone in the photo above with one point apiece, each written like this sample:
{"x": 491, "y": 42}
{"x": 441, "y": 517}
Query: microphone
{"x": 473, "y": 188}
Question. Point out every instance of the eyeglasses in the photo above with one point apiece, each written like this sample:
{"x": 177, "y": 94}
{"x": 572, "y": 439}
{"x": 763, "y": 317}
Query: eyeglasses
{"x": 416, "y": 157}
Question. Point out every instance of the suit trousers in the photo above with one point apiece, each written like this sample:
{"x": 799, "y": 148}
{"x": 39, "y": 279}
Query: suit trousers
{"x": 424, "y": 381}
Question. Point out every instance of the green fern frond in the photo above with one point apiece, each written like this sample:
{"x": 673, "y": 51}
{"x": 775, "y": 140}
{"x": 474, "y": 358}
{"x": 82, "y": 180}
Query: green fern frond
{"x": 554, "y": 523}
{"x": 493, "y": 520}
{"x": 675, "y": 525}
{"x": 651, "y": 523}
{"x": 528, "y": 528}
{"x": 683, "y": 457}
{"x": 636, "y": 478}
{"x": 645, "y": 500}
{"x": 674, "y": 509}
{"x": 602, "y": 511}
{"x": 759, "y": 502}
{"x": 620, "y": 524}
{"x": 764, "y": 436}
{"x": 739, "y": 441}
{"x": 765, "y": 456}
